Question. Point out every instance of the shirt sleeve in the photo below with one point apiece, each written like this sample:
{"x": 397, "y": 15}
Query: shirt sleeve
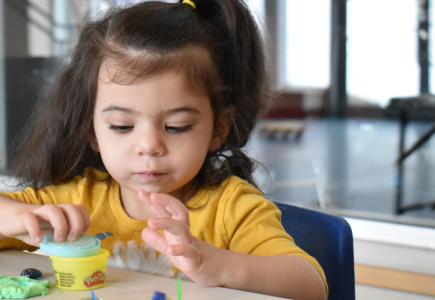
{"x": 15, "y": 244}
{"x": 253, "y": 225}
{"x": 53, "y": 194}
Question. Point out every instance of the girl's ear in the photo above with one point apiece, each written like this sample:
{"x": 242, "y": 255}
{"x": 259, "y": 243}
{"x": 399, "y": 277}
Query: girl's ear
{"x": 222, "y": 129}
{"x": 92, "y": 139}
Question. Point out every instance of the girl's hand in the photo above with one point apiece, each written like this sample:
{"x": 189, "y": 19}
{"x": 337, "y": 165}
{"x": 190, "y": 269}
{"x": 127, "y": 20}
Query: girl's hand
{"x": 189, "y": 254}
{"x": 29, "y": 222}
{"x": 208, "y": 265}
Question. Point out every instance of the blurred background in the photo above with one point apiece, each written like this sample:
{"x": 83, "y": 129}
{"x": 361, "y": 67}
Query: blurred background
{"x": 349, "y": 131}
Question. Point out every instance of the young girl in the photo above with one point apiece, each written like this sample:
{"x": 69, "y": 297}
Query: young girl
{"x": 139, "y": 143}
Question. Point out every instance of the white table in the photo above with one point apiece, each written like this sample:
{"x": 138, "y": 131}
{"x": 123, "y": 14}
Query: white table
{"x": 120, "y": 284}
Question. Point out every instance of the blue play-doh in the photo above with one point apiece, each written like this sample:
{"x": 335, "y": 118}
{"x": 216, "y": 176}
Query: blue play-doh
{"x": 159, "y": 296}
{"x": 86, "y": 245}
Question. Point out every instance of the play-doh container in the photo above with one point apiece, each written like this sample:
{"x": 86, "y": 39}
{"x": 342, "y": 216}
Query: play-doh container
{"x": 80, "y": 273}
{"x": 78, "y": 265}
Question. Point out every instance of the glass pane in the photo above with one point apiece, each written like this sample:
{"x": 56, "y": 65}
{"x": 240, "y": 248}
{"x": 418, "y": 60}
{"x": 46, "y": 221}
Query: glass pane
{"x": 382, "y": 60}
{"x": 307, "y": 43}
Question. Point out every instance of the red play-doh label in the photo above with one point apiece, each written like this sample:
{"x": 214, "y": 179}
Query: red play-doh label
{"x": 95, "y": 279}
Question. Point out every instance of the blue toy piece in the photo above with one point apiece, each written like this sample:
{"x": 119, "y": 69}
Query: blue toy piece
{"x": 93, "y": 295}
{"x": 159, "y": 296}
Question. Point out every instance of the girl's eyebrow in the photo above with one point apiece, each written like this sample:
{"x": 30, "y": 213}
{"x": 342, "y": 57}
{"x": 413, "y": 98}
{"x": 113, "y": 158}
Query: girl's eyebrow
{"x": 187, "y": 109}
{"x": 112, "y": 108}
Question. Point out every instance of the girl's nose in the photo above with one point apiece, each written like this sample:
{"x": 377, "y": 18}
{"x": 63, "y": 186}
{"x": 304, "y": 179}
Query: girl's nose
{"x": 151, "y": 144}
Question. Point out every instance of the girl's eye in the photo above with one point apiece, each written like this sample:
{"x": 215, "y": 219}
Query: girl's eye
{"x": 173, "y": 129}
{"x": 121, "y": 129}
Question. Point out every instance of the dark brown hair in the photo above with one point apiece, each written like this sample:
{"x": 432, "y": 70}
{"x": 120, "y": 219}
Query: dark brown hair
{"x": 217, "y": 46}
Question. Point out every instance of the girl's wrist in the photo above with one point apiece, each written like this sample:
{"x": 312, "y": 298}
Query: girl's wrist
{"x": 223, "y": 266}
{"x": 214, "y": 266}
{"x": 231, "y": 269}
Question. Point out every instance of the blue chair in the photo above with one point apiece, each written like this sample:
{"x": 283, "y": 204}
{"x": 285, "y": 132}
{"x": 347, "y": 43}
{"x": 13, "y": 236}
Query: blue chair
{"x": 328, "y": 239}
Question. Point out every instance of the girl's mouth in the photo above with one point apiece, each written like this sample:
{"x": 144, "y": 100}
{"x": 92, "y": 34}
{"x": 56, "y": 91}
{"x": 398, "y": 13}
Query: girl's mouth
{"x": 150, "y": 175}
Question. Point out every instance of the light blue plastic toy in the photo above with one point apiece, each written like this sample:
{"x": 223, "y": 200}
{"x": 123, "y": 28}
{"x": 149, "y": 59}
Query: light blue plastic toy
{"x": 86, "y": 245}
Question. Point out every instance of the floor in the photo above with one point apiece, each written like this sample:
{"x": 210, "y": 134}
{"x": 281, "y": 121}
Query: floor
{"x": 349, "y": 166}
{"x": 365, "y": 292}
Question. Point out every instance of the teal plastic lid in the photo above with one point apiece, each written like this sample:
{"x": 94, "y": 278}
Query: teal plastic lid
{"x": 86, "y": 245}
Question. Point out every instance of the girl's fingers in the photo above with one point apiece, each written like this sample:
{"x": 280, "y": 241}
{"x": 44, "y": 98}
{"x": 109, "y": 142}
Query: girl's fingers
{"x": 62, "y": 216}
{"x": 173, "y": 206}
{"x": 179, "y": 230}
{"x": 74, "y": 220}
{"x": 85, "y": 217}
{"x": 45, "y": 231}
{"x": 31, "y": 225}
{"x": 160, "y": 211}
{"x": 155, "y": 240}
{"x": 74, "y": 217}
{"x": 57, "y": 219}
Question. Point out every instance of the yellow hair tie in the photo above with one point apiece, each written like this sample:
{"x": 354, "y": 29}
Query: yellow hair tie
{"x": 191, "y": 3}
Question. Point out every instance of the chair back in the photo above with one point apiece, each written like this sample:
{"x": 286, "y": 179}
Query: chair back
{"x": 328, "y": 238}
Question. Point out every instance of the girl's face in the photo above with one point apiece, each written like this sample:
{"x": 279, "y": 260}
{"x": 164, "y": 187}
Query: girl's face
{"x": 152, "y": 134}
